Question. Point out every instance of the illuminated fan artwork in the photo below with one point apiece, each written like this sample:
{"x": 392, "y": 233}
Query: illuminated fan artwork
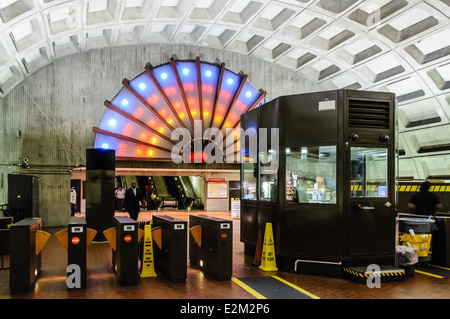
{"x": 176, "y": 110}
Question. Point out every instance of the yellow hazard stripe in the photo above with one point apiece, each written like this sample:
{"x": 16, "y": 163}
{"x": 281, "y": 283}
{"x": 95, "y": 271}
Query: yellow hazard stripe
{"x": 381, "y": 274}
{"x": 428, "y": 274}
{"x": 439, "y": 267}
{"x": 415, "y": 188}
{"x": 248, "y": 288}
{"x": 296, "y": 287}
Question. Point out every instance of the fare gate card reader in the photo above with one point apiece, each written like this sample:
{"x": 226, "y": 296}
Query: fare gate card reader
{"x": 76, "y": 240}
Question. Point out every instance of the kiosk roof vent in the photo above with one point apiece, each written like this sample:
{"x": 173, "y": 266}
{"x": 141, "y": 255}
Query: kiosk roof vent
{"x": 368, "y": 114}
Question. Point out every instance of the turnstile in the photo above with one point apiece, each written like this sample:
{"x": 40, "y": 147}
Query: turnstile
{"x": 75, "y": 240}
{"x": 126, "y": 255}
{"x": 211, "y": 245}
{"x": 124, "y": 239}
{"x": 26, "y": 242}
{"x": 171, "y": 249}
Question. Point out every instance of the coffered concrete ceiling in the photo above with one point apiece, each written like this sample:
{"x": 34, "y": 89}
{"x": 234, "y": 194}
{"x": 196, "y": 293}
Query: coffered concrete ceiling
{"x": 401, "y": 46}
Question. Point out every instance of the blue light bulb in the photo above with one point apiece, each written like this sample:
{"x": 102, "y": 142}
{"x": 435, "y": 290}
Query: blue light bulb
{"x": 230, "y": 81}
{"x": 104, "y": 145}
{"x": 142, "y": 86}
{"x": 164, "y": 75}
{"x": 208, "y": 73}
{"x": 124, "y": 102}
{"x": 248, "y": 94}
{"x": 112, "y": 122}
{"x": 185, "y": 71}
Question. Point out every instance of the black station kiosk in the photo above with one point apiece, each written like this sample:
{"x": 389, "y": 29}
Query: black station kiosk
{"x": 327, "y": 184}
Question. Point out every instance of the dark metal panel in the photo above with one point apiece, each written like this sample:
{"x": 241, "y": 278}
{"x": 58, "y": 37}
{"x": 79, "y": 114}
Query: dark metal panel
{"x": 249, "y": 222}
{"x": 171, "y": 258}
{"x": 125, "y": 257}
{"x": 25, "y": 265}
{"x": 76, "y": 252}
{"x": 310, "y": 231}
{"x": 310, "y": 118}
{"x": 214, "y": 254}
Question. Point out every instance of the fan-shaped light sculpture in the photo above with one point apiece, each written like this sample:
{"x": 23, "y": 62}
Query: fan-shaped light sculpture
{"x": 176, "y": 111}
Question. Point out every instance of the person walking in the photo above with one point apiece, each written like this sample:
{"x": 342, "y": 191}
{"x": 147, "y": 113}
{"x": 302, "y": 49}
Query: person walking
{"x": 120, "y": 198}
{"x": 133, "y": 199}
{"x": 73, "y": 201}
{"x": 424, "y": 202}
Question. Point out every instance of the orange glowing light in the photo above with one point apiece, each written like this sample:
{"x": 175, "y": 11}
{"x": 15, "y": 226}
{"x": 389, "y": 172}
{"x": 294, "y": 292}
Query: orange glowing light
{"x": 139, "y": 152}
{"x": 170, "y": 121}
{"x": 150, "y": 153}
{"x": 161, "y": 129}
{"x": 153, "y": 99}
{"x": 139, "y": 111}
{"x": 153, "y": 140}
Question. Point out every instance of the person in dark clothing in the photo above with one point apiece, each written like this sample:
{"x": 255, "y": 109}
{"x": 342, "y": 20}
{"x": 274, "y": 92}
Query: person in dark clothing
{"x": 133, "y": 197}
{"x": 424, "y": 202}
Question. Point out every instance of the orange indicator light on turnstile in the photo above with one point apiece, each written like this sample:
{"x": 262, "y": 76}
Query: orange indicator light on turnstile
{"x": 127, "y": 238}
{"x": 75, "y": 240}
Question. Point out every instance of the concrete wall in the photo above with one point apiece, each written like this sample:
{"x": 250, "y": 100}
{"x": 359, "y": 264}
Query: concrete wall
{"x": 55, "y": 109}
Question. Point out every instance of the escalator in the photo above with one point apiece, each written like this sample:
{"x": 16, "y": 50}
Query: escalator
{"x": 165, "y": 191}
{"x": 175, "y": 191}
{"x": 191, "y": 194}
{"x": 164, "y": 198}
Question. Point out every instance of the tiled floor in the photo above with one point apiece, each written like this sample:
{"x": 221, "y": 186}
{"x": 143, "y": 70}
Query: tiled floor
{"x": 101, "y": 282}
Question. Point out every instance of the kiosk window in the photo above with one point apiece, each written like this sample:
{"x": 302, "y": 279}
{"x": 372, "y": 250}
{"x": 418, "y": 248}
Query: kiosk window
{"x": 249, "y": 170}
{"x": 311, "y": 174}
{"x": 368, "y": 172}
{"x": 268, "y": 175}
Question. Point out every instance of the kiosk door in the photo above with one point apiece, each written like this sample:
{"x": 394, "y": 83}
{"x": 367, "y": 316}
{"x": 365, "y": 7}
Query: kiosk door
{"x": 371, "y": 212}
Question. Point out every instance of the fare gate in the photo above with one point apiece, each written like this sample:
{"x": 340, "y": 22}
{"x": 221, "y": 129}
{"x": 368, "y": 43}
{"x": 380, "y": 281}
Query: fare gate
{"x": 75, "y": 240}
{"x": 170, "y": 235}
{"x": 211, "y": 245}
{"x": 124, "y": 239}
{"x": 26, "y": 242}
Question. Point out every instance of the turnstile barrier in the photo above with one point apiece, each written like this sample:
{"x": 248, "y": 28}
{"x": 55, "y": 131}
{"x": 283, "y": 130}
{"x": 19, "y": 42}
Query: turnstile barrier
{"x": 124, "y": 239}
{"x": 170, "y": 249}
{"x": 26, "y": 242}
{"x": 75, "y": 240}
{"x": 211, "y": 245}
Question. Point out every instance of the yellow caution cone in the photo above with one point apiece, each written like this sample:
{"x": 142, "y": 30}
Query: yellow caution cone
{"x": 268, "y": 262}
{"x": 148, "y": 262}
